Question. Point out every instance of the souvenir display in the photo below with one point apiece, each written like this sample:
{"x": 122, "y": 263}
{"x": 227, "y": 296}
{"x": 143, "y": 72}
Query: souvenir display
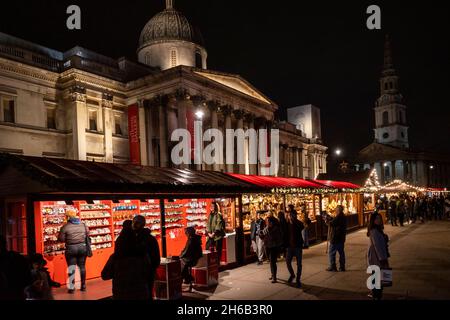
{"x": 124, "y": 211}
{"x": 97, "y": 217}
{"x": 53, "y": 218}
{"x": 197, "y": 214}
{"x": 151, "y": 211}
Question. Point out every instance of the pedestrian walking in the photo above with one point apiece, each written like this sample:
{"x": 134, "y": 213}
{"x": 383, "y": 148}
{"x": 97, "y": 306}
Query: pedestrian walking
{"x": 75, "y": 235}
{"x": 378, "y": 252}
{"x": 258, "y": 244}
{"x": 295, "y": 246}
{"x": 393, "y": 211}
{"x": 273, "y": 241}
{"x": 338, "y": 232}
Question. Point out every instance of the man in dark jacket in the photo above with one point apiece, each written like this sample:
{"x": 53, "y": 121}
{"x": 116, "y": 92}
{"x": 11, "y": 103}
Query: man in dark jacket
{"x": 191, "y": 253}
{"x": 393, "y": 211}
{"x": 294, "y": 245}
{"x": 148, "y": 245}
{"x": 258, "y": 244}
{"x": 338, "y": 232}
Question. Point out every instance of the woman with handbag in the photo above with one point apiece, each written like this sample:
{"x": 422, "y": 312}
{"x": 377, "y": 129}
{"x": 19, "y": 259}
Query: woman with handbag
{"x": 273, "y": 240}
{"x": 75, "y": 235}
{"x": 378, "y": 253}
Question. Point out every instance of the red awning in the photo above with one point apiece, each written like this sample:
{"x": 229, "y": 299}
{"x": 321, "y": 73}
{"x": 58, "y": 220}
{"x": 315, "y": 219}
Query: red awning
{"x": 338, "y": 184}
{"x": 277, "y": 182}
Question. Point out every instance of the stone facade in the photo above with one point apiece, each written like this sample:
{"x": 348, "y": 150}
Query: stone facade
{"x": 75, "y": 105}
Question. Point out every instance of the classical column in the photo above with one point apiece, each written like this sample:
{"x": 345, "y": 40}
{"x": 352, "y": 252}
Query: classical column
{"x": 228, "y": 125}
{"x": 108, "y": 124}
{"x": 163, "y": 134}
{"x": 393, "y": 174}
{"x": 300, "y": 163}
{"x": 79, "y": 117}
{"x": 239, "y": 115}
{"x": 150, "y": 132}
{"x": 295, "y": 153}
{"x": 143, "y": 133}
{"x": 251, "y": 126}
{"x": 184, "y": 105}
{"x": 383, "y": 173}
{"x": 213, "y": 109}
{"x": 286, "y": 160}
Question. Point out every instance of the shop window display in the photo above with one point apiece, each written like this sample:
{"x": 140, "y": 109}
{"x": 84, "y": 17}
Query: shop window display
{"x": 105, "y": 220}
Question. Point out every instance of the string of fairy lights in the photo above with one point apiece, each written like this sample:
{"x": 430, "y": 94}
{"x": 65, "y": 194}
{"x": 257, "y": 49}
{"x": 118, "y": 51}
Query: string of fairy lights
{"x": 372, "y": 185}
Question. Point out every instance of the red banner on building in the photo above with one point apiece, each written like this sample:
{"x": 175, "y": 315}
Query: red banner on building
{"x": 133, "y": 134}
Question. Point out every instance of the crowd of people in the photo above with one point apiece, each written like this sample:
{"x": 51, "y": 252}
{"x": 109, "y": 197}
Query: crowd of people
{"x": 406, "y": 209}
{"x": 286, "y": 234}
{"x": 132, "y": 266}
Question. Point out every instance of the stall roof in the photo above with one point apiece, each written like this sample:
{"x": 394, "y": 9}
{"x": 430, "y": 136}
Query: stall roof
{"x": 277, "y": 182}
{"x": 340, "y": 185}
{"x": 355, "y": 177}
{"x": 70, "y": 176}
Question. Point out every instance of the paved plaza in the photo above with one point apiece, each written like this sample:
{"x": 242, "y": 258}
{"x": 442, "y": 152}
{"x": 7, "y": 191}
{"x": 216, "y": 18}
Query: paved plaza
{"x": 420, "y": 260}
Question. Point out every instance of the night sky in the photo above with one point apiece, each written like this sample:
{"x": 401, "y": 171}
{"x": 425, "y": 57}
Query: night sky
{"x": 295, "y": 52}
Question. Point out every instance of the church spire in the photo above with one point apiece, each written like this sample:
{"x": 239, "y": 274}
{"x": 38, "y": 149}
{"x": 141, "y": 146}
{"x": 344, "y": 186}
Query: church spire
{"x": 388, "y": 61}
{"x": 169, "y": 4}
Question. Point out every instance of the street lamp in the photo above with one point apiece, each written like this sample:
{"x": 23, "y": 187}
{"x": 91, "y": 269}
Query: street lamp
{"x": 199, "y": 114}
{"x": 338, "y": 152}
{"x": 431, "y": 167}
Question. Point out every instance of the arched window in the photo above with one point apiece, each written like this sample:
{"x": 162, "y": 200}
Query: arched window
{"x": 173, "y": 57}
{"x": 385, "y": 118}
{"x": 385, "y": 86}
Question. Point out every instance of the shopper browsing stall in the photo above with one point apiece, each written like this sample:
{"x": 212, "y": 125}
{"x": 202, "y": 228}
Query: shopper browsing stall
{"x": 75, "y": 235}
{"x": 258, "y": 244}
{"x": 215, "y": 230}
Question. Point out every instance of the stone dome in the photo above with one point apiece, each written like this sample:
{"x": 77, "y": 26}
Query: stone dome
{"x": 168, "y": 25}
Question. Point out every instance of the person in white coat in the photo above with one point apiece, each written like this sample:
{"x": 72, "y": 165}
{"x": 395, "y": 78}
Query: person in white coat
{"x": 378, "y": 253}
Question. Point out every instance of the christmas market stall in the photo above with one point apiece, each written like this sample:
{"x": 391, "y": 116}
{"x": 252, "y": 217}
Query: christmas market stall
{"x": 36, "y": 193}
{"x": 348, "y": 195}
{"x": 368, "y": 185}
{"x": 278, "y": 193}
